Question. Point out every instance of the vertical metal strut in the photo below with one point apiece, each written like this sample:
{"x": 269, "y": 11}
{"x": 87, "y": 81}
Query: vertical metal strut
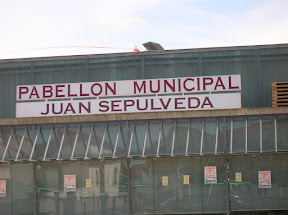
{"x": 8, "y": 143}
{"x": 61, "y": 144}
{"x": 21, "y": 143}
{"x": 75, "y": 142}
{"x": 173, "y": 139}
{"x": 145, "y": 139}
{"x": 88, "y": 143}
{"x": 48, "y": 143}
{"x": 188, "y": 137}
{"x": 34, "y": 144}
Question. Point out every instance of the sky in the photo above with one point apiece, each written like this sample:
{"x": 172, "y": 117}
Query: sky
{"x": 36, "y": 28}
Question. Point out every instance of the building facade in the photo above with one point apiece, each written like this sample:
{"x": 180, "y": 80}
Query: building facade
{"x": 225, "y": 152}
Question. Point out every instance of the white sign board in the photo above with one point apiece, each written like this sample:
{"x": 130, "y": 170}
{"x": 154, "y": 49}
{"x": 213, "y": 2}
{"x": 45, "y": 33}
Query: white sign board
{"x": 70, "y": 183}
{"x": 129, "y": 105}
{"x": 132, "y": 96}
{"x": 264, "y": 179}
{"x": 129, "y": 88}
{"x": 2, "y": 188}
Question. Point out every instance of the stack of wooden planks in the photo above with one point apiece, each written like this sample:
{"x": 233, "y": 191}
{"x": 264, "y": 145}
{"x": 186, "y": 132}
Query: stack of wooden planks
{"x": 279, "y": 94}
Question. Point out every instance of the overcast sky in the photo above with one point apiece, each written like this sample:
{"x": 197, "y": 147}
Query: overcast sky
{"x": 32, "y": 28}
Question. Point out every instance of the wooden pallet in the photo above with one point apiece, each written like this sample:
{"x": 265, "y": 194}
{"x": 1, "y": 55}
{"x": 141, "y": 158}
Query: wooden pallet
{"x": 279, "y": 94}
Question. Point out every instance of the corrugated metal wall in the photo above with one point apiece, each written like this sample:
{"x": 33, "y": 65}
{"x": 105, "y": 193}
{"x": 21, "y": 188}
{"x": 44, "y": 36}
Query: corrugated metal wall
{"x": 258, "y": 68}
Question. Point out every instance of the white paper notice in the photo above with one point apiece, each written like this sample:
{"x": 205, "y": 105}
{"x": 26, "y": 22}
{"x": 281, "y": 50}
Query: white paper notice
{"x": 210, "y": 173}
{"x": 70, "y": 183}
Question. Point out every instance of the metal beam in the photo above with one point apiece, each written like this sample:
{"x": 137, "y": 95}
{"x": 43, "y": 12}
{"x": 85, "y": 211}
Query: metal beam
{"x": 226, "y": 174}
{"x": 231, "y": 137}
{"x": 88, "y": 143}
{"x": 102, "y": 143}
{"x": 202, "y": 138}
{"x": 173, "y": 139}
{"x": 275, "y": 132}
{"x": 75, "y": 143}
{"x": 48, "y": 143}
{"x": 261, "y": 136}
{"x": 116, "y": 142}
{"x": 130, "y": 142}
{"x": 159, "y": 139}
{"x": 216, "y": 138}
{"x": 61, "y": 144}
{"x": 20, "y": 145}
{"x": 8, "y": 143}
{"x": 246, "y": 135}
{"x": 34, "y": 144}
{"x": 145, "y": 139}
{"x": 188, "y": 138}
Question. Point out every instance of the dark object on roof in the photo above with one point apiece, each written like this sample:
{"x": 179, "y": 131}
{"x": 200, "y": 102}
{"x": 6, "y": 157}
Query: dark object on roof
{"x": 153, "y": 46}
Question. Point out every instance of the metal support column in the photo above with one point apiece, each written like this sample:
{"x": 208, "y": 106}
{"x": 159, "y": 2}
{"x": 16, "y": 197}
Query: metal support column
{"x": 216, "y": 137}
{"x": 275, "y": 132}
{"x": 226, "y": 164}
{"x": 129, "y": 187}
{"x": 35, "y": 208}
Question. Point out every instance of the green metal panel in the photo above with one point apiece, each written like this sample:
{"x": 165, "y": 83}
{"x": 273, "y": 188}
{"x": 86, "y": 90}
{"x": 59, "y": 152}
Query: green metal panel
{"x": 258, "y": 68}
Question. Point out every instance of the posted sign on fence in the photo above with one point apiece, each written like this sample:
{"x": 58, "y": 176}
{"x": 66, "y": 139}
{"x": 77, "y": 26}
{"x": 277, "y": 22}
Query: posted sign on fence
{"x": 210, "y": 175}
{"x": 2, "y": 188}
{"x": 264, "y": 178}
{"x": 70, "y": 183}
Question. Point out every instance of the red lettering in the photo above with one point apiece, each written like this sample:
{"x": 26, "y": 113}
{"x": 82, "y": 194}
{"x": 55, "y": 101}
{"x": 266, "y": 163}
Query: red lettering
{"x": 34, "y": 93}
{"x": 184, "y": 84}
{"x": 59, "y": 90}
{"x": 138, "y": 105}
{"x": 179, "y": 102}
{"x": 92, "y": 89}
{"x": 69, "y": 108}
{"x": 47, "y": 89}
{"x": 103, "y": 104}
{"x": 230, "y": 84}
{"x": 179, "y": 85}
{"x": 207, "y": 81}
{"x": 22, "y": 92}
{"x": 47, "y": 110}
{"x": 198, "y": 84}
{"x": 165, "y": 105}
{"x": 88, "y": 109}
{"x": 172, "y": 87}
{"x": 69, "y": 93}
{"x": 112, "y": 90}
{"x": 152, "y": 105}
{"x": 128, "y": 103}
{"x": 207, "y": 102}
{"x": 54, "y": 111}
{"x": 136, "y": 87}
{"x": 219, "y": 83}
{"x": 81, "y": 91}
{"x": 114, "y": 105}
{"x": 191, "y": 99}
{"x": 158, "y": 85}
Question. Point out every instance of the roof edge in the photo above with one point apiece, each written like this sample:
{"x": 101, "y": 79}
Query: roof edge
{"x": 242, "y": 112}
{"x": 145, "y": 53}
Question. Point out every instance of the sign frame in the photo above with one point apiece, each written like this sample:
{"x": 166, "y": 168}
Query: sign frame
{"x": 210, "y": 174}
{"x": 70, "y": 183}
{"x": 3, "y": 188}
{"x": 264, "y": 179}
